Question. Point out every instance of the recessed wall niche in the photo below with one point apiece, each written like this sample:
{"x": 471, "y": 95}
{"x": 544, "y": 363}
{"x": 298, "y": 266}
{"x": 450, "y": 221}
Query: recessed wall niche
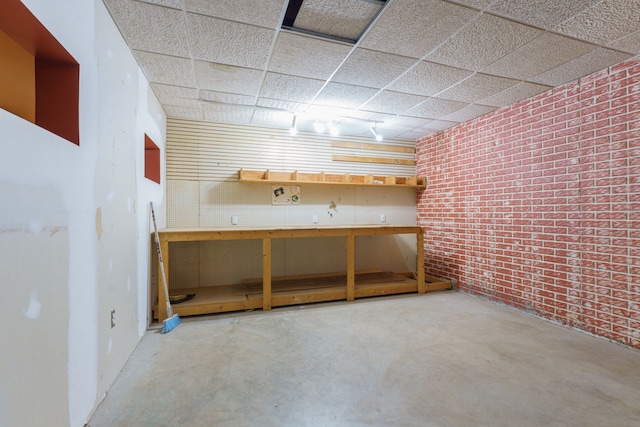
{"x": 151, "y": 160}
{"x": 39, "y": 79}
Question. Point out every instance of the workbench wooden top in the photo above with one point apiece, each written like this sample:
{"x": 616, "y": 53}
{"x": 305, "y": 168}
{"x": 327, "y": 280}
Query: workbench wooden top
{"x": 235, "y": 232}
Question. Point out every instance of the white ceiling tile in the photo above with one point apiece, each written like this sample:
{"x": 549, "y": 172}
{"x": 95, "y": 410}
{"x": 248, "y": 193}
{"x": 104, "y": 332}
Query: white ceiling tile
{"x": 434, "y": 108}
{"x": 607, "y": 21}
{"x": 227, "y": 42}
{"x": 176, "y": 4}
{"x": 165, "y": 92}
{"x": 150, "y": 27}
{"x": 272, "y": 118}
{"x": 496, "y": 36}
{"x": 406, "y": 121}
{"x": 522, "y": 90}
{"x": 477, "y": 87}
{"x": 227, "y": 98}
{"x": 176, "y": 96}
{"x": 478, "y": 4}
{"x": 412, "y": 135}
{"x": 438, "y": 125}
{"x": 227, "y": 78}
{"x": 630, "y": 43}
{"x": 339, "y": 18}
{"x": 342, "y": 95}
{"x": 415, "y": 27}
{"x": 329, "y": 112}
{"x": 392, "y": 133}
{"x": 183, "y": 112}
{"x": 227, "y": 113}
{"x": 428, "y": 78}
{"x": 290, "y": 88}
{"x": 392, "y": 102}
{"x": 373, "y": 69}
{"x": 263, "y": 13}
{"x": 542, "y": 13}
{"x": 306, "y": 56}
{"x": 502, "y": 38}
{"x": 468, "y": 113}
{"x": 588, "y": 63}
{"x": 278, "y": 104}
{"x": 166, "y": 69}
{"x": 542, "y": 54}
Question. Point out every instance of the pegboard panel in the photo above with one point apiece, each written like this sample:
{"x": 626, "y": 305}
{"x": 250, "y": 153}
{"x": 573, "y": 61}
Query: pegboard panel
{"x": 389, "y": 253}
{"x": 292, "y": 257}
{"x": 226, "y": 262}
{"x": 209, "y": 151}
{"x": 183, "y": 200}
{"x": 184, "y": 264}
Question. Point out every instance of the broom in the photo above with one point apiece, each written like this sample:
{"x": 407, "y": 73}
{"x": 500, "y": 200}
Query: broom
{"x": 172, "y": 320}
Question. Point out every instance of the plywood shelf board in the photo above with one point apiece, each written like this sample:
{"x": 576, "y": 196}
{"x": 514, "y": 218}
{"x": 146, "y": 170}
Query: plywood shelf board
{"x": 290, "y": 290}
{"x": 271, "y": 177}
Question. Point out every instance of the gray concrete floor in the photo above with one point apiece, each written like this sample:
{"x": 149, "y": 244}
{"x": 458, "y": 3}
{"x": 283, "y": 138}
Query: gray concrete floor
{"x": 441, "y": 359}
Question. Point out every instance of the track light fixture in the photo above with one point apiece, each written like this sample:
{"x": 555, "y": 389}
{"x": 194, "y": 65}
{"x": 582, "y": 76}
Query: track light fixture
{"x": 319, "y": 127}
{"x": 293, "y": 131}
{"x": 375, "y": 133}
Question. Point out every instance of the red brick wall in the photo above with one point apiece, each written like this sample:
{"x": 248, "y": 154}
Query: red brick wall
{"x": 537, "y": 205}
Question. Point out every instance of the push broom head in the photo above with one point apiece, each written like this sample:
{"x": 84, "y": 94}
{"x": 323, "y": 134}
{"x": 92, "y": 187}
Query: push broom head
{"x": 170, "y": 323}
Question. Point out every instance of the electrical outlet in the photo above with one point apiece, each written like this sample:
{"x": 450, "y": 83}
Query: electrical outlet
{"x": 383, "y": 218}
{"x": 315, "y": 218}
{"x": 234, "y": 219}
{"x": 113, "y": 319}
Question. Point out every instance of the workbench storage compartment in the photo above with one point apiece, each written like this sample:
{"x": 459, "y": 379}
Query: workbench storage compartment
{"x": 268, "y": 291}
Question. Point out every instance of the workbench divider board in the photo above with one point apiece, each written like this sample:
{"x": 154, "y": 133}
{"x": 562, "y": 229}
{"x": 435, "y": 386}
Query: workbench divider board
{"x": 296, "y": 177}
{"x": 239, "y": 297}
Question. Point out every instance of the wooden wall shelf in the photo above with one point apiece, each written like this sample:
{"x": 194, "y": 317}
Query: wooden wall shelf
{"x": 295, "y": 177}
{"x": 268, "y": 291}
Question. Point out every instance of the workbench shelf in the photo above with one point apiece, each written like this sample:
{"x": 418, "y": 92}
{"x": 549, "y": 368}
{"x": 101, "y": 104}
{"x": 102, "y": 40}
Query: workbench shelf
{"x": 296, "y": 290}
{"x": 322, "y": 178}
{"x": 267, "y": 291}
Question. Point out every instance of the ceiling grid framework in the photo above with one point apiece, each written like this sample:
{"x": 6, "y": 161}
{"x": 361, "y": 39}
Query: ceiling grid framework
{"x": 421, "y": 66}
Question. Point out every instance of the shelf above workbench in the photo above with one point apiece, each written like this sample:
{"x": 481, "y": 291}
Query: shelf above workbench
{"x": 295, "y": 177}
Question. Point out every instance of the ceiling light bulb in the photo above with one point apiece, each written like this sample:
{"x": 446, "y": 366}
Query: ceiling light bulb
{"x": 333, "y": 130}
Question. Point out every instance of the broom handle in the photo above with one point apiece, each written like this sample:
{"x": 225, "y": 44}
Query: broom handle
{"x": 164, "y": 277}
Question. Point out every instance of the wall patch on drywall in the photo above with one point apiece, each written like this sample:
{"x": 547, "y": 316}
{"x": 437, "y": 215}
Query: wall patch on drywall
{"x": 33, "y": 308}
{"x": 99, "y": 223}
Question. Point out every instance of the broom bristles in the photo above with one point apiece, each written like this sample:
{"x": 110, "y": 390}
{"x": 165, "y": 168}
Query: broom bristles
{"x": 170, "y": 323}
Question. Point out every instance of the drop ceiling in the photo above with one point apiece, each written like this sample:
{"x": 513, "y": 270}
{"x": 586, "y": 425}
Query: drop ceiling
{"x": 419, "y": 67}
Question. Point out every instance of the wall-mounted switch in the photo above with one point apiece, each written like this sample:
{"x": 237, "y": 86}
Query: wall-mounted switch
{"x": 234, "y": 219}
{"x": 383, "y": 218}
{"x": 315, "y": 218}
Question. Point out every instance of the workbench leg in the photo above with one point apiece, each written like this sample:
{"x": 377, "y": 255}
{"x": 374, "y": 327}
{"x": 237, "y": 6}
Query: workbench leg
{"x": 420, "y": 262}
{"x": 266, "y": 274}
{"x": 162, "y": 301}
{"x": 351, "y": 268}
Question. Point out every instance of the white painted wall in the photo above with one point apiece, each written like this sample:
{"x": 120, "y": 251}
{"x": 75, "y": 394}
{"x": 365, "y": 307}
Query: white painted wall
{"x": 74, "y": 230}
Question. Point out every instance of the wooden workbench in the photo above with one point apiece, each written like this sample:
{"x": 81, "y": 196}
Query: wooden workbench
{"x": 244, "y": 296}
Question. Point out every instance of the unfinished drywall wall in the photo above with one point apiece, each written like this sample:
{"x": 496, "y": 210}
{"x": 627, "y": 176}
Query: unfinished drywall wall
{"x": 203, "y": 160}
{"x": 538, "y": 205}
{"x": 74, "y": 230}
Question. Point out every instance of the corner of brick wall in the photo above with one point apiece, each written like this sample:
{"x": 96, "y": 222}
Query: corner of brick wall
{"x": 537, "y": 205}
